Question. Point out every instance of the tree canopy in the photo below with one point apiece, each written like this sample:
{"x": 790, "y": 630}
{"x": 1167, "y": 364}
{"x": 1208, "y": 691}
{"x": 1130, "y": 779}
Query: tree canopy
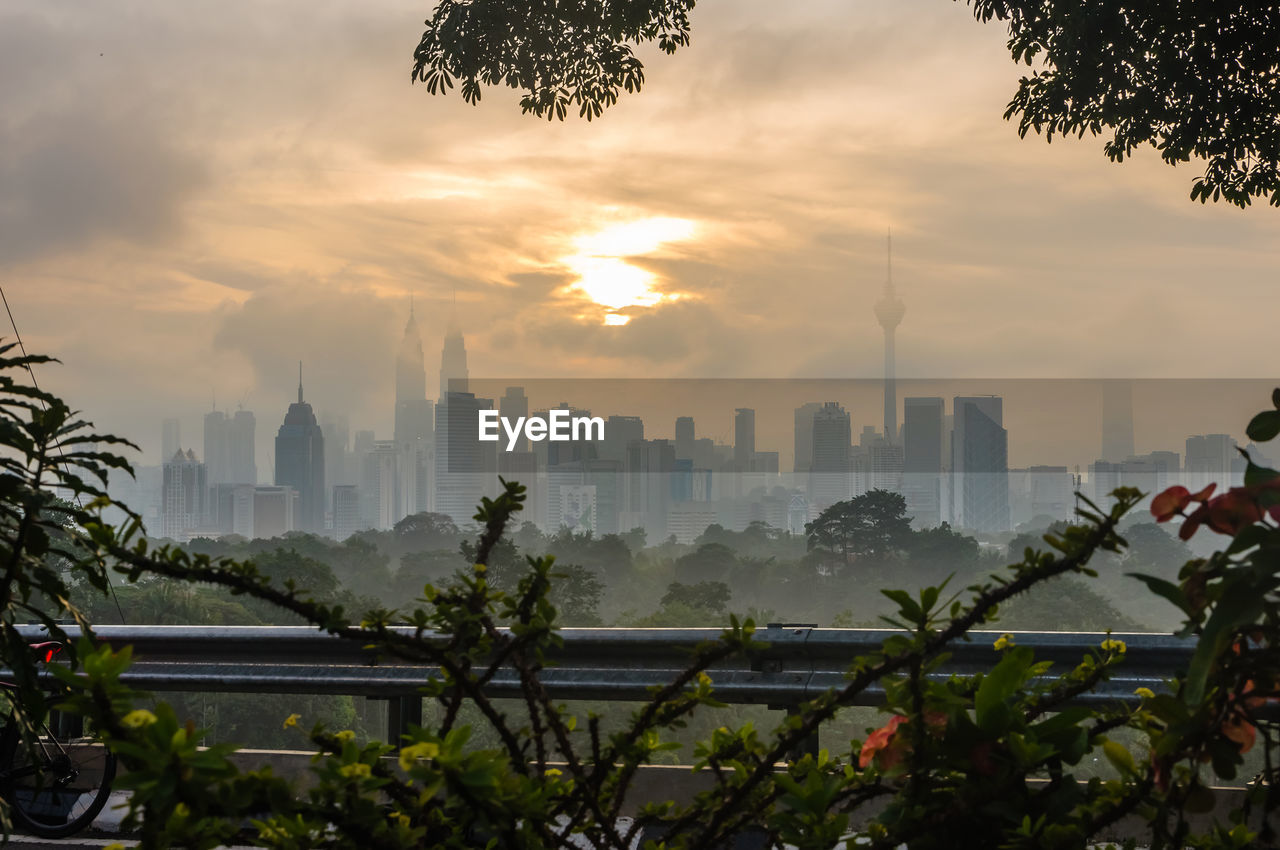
{"x": 1193, "y": 80}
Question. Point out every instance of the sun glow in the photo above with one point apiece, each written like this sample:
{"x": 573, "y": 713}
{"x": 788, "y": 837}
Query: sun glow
{"x": 606, "y": 277}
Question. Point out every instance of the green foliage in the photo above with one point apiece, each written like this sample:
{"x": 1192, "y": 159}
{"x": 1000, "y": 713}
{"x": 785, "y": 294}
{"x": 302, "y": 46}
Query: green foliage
{"x": 872, "y": 525}
{"x": 558, "y": 54}
{"x": 1188, "y": 79}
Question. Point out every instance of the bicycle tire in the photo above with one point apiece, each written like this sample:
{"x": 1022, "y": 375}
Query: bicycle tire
{"x": 62, "y": 784}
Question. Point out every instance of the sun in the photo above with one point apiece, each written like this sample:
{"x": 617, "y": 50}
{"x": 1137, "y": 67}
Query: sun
{"x": 600, "y": 260}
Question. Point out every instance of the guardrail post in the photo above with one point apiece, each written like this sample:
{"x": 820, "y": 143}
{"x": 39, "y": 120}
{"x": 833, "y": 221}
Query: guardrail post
{"x": 401, "y": 712}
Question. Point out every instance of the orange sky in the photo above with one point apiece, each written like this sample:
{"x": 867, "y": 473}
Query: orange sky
{"x": 194, "y": 196}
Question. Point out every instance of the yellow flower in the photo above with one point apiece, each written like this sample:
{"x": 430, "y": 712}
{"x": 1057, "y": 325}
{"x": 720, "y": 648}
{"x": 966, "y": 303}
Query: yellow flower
{"x": 552, "y": 771}
{"x": 704, "y": 679}
{"x": 358, "y": 770}
{"x": 291, "y": 721}
{"x": 1145, "y": 693}
{"x": 138, "y": 718}
{"x": 182, "y": 810}
{"x": 1004, "y": 641}
{"x": 344, "y": 735}
{"x": 422, "y": 750}
{"x": 480, "y": 568}
{"x": 1116, "y": 646}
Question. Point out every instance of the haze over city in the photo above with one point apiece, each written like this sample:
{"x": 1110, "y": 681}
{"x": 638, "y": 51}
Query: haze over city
{"x": 194, "y": 202}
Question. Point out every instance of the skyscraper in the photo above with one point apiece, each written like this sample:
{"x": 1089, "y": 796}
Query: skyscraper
{"x": 744, "y": 438}
{"x": 414, "y": 426}
{"x": 830, "y": 474}
{"x": 804, "y": 436}
{"x": 453, "y": 363}
{"x": 300, "y": 462}
{"x": 922, "y": 422}
{"x": 229, "y": 448}
{"x": 183, "y": 495}
{"x": 1117, "y": 420}
{"x": 170, "y": 439}
{"x": 684, "y": 437}
{"x": 889, "y": 312}
{"x": 980, "y": 457}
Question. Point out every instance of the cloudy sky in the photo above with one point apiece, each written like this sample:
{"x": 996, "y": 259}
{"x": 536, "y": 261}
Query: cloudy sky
{"x": 195, "y": 196}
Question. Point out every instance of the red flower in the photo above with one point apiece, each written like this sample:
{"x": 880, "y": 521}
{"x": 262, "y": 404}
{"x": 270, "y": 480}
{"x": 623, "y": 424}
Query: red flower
{"x": 1234, "y": 511}
{"x": 1170, "y": 503}
{"x": 881, "y": 743}
{"x": 1238, "y": 728}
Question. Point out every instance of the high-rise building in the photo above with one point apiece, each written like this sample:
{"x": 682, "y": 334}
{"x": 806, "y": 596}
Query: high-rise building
{"x": 1209, "y": 459}
{"x": 889, "y": 313}
{"x": 684, "y": 437}
{"x": 922, "y": 424}
{"x": 346, "y": 511}
{"x": 804, "y": 436}
{"x": 744, "y": 438}
{"x": 300, "y": 462}
{"x": 170, "y": 439}
{"x": 466, "y": 467}
{"x": 229, "y": 448}
{"x": 619, "y": 431}
{"x": 1117, "y": 420}
{"x": 183, "y": 495}
{"x": 980, "y": 460}
{"x": 830, "y": 473}
{"x": 453, "y": 362}
{"x": 414, "y": 426}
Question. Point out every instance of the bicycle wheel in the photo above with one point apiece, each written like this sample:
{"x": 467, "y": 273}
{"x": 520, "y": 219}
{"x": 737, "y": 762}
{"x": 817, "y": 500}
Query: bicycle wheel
{"x": 58, "y": 786}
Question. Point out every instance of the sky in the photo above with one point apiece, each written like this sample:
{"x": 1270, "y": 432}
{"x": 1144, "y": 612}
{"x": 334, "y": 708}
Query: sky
{"x": 196, "y": 196}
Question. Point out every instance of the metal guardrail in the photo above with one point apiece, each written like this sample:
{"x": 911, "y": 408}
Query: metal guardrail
{"x": 619, "y": 664}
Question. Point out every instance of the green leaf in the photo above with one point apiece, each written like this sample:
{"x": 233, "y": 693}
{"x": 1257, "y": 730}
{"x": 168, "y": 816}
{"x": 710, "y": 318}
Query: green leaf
{"x": 1241, "y": 603}
{"x": 1119, "y": 756}
{"x": 1265, "y": 426}
{"x": 998, "y": 686}
{"x": 1275, "y": 397}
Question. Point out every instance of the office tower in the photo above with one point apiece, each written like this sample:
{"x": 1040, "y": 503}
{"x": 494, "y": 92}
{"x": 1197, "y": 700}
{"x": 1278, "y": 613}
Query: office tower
{"x": 229, "y": 448}
{"x": 684, "y": 437}
{"x": 346, "y": 511}
{"x": 980, "y": 458}
{"x": 414, "y": 434}
{"x": 275, "y": 511}
{"x": 337, "y": 442}
{"x": 804, "y": 436}
{"x": 241, "y": 448}
{"x": 1209, "y": 459}
{"x": 922, "y": 423}
{"x": 300, "y": 462}
{"x": 649, "y": 468}
{"x": 514, "y": 406}
{"x": 170, "y": 439}
{"x": 453, "y": 362}
{"x": 830, "y": 473}
{"x": 619, "y": 431}
{"x": 466, "y": 467}
{"x": 182, "y": 496}
{"x": 1052, "y": 490}
{"x": 1117, "y": 420}
{"x": 744, "y": 438}
{"x": 216, "y": 457}
{"x": 889, "y": 312}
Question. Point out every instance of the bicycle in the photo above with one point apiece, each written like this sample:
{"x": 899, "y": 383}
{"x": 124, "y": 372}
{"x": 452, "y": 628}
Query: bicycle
{"x": 57, "y": 784}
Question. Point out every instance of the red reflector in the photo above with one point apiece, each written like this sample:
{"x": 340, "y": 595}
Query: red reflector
{"x": 49, "y": 653}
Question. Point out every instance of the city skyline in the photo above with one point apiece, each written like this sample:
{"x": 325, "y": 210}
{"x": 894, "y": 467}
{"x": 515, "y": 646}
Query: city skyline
{"x": 180, "y": 236}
